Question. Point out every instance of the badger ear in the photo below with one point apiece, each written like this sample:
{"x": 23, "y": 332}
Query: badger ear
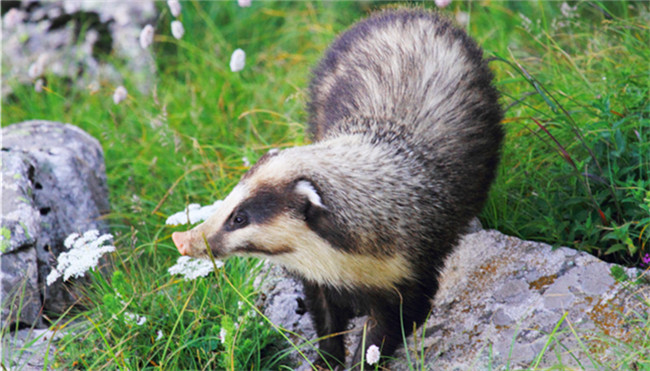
{"x": 319, "y": 217}
{"x": 306, "y": 188}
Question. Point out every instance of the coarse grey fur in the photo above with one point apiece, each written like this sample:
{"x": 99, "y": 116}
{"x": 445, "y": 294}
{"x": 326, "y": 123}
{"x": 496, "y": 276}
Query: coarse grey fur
{"x": 406, "y": 127}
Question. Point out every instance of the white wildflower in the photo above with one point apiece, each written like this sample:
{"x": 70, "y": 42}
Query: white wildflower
{"x": 134, "y": 318}
{"x": 146, "y": 36}
{"x": 191, "y": 268}
{"x": 462, "y": 18}
{"x": 53, "y": 276}
{"x": 83, "y": 254}
{"x": 13, "y": 18}
{"x": 177, "y": 29}
{"x": 372, "y": 354}
{"x": 237, "y": 60}
{"x": 38, "y": 85}
{"x": 37, "y": 68}
{"x": 93, "y": 87}
{"x": 526, "y": 22}
{"x": 119, "y": 94}
{"x": 442, "y": 3}
{"x": 244, "y": 3}
{"x": 246, "y": 162}
{"x": 194, "y": 213}
{"x": 159, "y": 335}
{"x": 174, "y": 7}
{"x": 71, "y": 6}
{"x": 569, "y": 11}
{"x": 222, "y": 335}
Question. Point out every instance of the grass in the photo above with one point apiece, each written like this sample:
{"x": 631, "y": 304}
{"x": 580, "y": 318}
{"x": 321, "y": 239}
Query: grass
{"x": 574, "y": 171}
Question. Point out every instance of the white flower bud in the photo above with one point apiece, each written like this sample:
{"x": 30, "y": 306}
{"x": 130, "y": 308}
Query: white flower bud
{"x": 13, "y": 18}
{"x": 174, "y": 7}
{"x": 244, "y": 3}
{"x": 146, "y": 36}
{"x": 372, "y": 354}
{"x": 38, "y": 86}
{"x": 177, "y": 29}
{"x": 37, "y": 68}
{"x": 442, "y": 3}
{"x": 237, "y": 60}
{"x": 120, "y": 94}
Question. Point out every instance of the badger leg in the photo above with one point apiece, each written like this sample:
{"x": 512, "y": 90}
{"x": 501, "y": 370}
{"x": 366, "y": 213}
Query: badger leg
{"x": 330, "y": 316}
{"x": 384, "y": 325}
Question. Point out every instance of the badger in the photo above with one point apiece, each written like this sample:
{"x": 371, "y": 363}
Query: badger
{"x": 406, "y": 140}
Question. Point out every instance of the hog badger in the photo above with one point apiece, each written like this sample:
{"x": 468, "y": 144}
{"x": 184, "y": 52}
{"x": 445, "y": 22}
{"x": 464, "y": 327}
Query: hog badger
{"x": 405, "y": 123}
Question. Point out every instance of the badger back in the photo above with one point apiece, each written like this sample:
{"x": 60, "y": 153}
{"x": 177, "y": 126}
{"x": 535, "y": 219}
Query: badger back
{"x": 411, "y": 67}
{"x": 412, "y": 75}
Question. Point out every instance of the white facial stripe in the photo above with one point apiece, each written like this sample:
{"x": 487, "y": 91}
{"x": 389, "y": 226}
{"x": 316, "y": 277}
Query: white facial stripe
{"x": 315, "y": 259}
{"x": 276, "y": 170}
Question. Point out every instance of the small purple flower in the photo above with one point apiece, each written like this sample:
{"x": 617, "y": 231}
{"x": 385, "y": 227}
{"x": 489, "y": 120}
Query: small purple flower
{"x": 645, "y": 260}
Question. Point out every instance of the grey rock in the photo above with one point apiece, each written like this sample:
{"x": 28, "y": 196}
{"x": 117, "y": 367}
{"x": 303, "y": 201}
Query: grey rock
{"x": 29, "y": 349}
{"x": 499, "y": 299}
{"x": 44, "y": 38}
{"x": 54, "y": 184}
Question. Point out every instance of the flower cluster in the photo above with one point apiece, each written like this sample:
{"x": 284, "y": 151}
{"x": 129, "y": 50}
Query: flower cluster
{"x": 83, "y": 254}
{"x": 135, "y": 319}
{"x": 194, "y": 213}
{"x": 191, "y": 268}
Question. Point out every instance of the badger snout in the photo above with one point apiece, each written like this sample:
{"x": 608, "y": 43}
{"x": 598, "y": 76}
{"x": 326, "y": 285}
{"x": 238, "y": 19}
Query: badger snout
{"x": 182, "y": 241}
{"x": 191, "y": 243}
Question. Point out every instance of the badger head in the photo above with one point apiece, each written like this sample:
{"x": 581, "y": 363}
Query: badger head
{"x": 281, "y": 210}
{"x": 261, "y": 216}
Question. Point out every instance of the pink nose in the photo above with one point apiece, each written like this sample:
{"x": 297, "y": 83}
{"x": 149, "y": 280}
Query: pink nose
{"x": 181, "y": 240}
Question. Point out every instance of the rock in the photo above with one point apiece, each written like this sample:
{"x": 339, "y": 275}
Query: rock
{"x": 27, "y": 349}
{"x": 500, "y": 298}
{"x": 54, "y": 184}
{"x": 72, "y": 39}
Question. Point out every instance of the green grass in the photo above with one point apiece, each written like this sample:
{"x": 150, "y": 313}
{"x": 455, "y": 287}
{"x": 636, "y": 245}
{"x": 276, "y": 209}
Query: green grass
{"x": 576, "y": 93}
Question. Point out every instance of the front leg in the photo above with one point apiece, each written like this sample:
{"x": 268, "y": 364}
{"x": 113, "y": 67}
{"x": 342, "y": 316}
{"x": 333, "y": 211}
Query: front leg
{"x": 384, "y": 326}
{"x": 330, "y": 316}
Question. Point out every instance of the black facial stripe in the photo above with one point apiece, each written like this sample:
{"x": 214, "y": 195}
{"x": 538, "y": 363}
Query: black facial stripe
{"x": 264, "y": 205}
{"x": 252, "y": 249}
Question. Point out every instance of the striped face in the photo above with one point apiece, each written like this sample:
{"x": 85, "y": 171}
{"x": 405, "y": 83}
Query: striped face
{"x": 278, "y": 214}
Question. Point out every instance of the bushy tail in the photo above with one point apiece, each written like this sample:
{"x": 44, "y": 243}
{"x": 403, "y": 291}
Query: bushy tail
{"x": 409, "y": 66}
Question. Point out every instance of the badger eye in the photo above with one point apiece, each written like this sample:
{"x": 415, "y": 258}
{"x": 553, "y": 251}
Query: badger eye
{"x": 239, "y": 220}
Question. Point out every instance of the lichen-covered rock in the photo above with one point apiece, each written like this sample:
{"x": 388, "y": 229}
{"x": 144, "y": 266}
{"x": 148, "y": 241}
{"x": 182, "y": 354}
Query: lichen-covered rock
{"x": 500, "y": 298}
{"x": 54, "y": 184}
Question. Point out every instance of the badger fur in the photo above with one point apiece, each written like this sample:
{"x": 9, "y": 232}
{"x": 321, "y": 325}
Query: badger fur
{"x": 405, "y": 123}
